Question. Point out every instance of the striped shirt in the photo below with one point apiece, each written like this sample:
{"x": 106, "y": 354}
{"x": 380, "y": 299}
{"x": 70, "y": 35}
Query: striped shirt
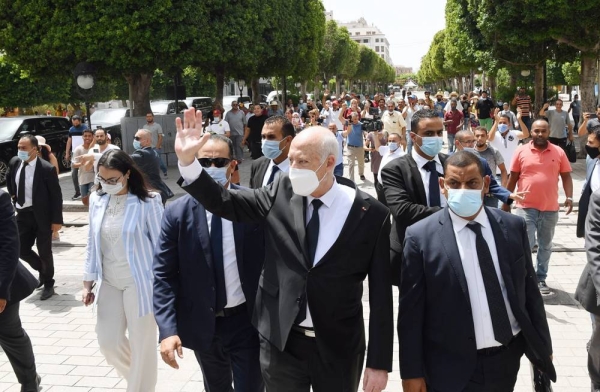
{"x": 524, "y": 102}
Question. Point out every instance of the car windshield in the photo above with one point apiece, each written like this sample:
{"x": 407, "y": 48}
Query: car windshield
{"x": 8, "y": 127}
{"x": 159, "y": 107}
{"x": 108, "y": 116}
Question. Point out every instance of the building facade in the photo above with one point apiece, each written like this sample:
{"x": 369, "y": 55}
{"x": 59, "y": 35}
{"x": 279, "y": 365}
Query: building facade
{"x": 369, "y": 36}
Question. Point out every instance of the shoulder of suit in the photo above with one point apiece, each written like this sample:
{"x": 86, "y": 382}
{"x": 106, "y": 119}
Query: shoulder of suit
{"x": 425, "y": 225}
{"x": 260, "y": 161}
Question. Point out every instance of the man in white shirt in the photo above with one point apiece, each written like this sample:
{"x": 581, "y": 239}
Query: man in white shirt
{"x": 503, "y": 138}
{"x": 393, "y": 122}
{"x": 388, "y": 153}
{"x": 218, "y": 125}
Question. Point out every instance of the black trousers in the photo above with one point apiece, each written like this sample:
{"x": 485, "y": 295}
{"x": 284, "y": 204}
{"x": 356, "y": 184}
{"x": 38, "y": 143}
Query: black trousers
{"x": 594, "y": 352}
{"x": 234, "y": 352}
{"x": 29, "y": 233}
{"x": 496, "y": 373}
{"x": 75, "y": 178}
{"x": 300, "y": 366}
{"x": 255, "y": 149}
{"x": 17, "y": 347}
{"x": 561, "y": 142}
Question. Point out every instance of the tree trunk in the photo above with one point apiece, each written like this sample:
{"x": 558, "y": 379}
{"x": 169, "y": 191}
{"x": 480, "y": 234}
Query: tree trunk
{"x": 588, "y": 79}
{"x": 255, "y": 92}
{"x": 538, "y": 89}
{"x": 220, "y": 76}
{"x": 513, "y": 82}
{"x": 140, "y": 87}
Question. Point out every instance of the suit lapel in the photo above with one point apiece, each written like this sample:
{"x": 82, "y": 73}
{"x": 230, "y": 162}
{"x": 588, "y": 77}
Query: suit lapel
{"x": 37, "y": 176}
{"x": 297, "y": 206}
{"x": 199, "y": 218}
{"x": 448, "y": 240}
{"x": 417, "y": 180}
{"x": 262, "y": 171}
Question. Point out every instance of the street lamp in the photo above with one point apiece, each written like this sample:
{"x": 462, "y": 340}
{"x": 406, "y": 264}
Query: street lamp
{"x": 525, "y": 73}
{"x": 84, "y": 74}
{"x": 241, "y": 85}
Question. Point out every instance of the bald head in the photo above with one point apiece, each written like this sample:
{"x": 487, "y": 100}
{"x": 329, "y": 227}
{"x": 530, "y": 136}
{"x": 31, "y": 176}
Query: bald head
{"x": 144, "y": 136}
{"x": 462, "y": 135}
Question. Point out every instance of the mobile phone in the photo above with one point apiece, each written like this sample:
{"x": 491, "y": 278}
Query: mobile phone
{"x": 593, "y": 115}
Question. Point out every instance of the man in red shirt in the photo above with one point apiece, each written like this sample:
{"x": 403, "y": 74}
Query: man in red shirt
{"x": 453, "y": 120}
{"x": 535, "y": 169}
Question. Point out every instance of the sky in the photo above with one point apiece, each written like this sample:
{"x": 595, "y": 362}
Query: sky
{"x": 409, "y": 26}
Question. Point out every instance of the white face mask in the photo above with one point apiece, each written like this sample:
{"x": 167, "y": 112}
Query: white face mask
{"x": 305, "y": 181}
{"x": 112, "y": 189}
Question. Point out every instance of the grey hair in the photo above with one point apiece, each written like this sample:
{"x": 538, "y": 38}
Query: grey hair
{"x": 329, "y": 146}
{"x": 146, "y": 132}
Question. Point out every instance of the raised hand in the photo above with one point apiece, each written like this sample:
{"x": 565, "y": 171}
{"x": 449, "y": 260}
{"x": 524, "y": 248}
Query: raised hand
{"x": 189, "y": 139}
{"x": 519, "y": 113}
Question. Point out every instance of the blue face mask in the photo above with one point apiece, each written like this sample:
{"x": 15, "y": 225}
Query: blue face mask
{"x": 393, "y": 146}
{"x": 219, "y": 174}
{"x": 137, "y": 145}
{"x": 471, "y": 150}
{"x": 502, "y": 128}
{"x": 23, "y": 155}
{"x": 270, "y": 148}
{"x": 464, "y": 202}
{"x": 431, "y": 145}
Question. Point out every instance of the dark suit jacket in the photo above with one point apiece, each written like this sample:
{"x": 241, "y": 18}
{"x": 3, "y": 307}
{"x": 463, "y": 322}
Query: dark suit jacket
{"x": 435, "y": 324}
{"x": 496, "y": 189}
{"x": 46, "y": 195}
{"x": 589, "y": 283}
{"x": 257, "y": 172}
{"x": 16, "y": 282}
{"x": 334, "y": 286}
{"x": 406, "y": 199}
{"x": 584, "y": 200}
{"x": 184, "y": 295}
{"x": 149, "y": 164}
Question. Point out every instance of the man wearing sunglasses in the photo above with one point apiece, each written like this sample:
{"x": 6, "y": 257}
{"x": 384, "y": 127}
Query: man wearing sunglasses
{"x": 206, "y": 275}
{"x": 148, "y": 160}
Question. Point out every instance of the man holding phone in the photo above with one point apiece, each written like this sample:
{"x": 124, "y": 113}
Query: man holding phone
{"x": 590, "y": 120}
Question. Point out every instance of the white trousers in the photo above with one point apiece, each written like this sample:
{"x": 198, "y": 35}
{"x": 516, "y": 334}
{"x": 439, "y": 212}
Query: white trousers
{"x": 134, "y": 358}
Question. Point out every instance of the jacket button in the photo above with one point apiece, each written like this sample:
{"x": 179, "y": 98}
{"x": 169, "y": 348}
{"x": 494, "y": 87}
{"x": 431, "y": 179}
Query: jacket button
{"x": 212, "y": 310}
{"x": 298, "y": 299}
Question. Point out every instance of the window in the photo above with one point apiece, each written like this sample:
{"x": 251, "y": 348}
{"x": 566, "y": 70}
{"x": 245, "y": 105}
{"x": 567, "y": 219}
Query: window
{"x": 377, "y": 48}
{"x": 382, "y": 56}
{"x": 376, "y": 39}
{"x": 365, "y": 41}
{"x": 357, "y": 33}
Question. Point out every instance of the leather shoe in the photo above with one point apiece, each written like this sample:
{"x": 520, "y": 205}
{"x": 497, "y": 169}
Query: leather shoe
{"x": 47, "y": 293}
{"x": 33, "y": 388}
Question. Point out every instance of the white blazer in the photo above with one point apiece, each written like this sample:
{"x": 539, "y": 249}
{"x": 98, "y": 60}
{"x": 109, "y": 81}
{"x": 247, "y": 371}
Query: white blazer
{"x": 141, "y": 228}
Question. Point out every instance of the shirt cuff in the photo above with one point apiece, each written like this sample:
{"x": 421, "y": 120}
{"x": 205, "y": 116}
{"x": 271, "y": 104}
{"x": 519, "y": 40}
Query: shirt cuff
{"x": 191, "y": 172}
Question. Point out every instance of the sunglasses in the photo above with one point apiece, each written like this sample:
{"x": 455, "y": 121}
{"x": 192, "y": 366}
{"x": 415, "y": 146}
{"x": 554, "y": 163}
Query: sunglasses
{"x": 218, "y": 162}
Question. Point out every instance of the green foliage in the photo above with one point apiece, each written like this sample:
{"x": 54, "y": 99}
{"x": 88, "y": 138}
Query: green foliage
{"x": 572, "y": 72}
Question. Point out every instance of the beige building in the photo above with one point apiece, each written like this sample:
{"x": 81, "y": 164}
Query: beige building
{"x": 367, "y": 35}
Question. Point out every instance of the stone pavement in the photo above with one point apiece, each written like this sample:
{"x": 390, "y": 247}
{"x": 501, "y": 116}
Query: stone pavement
{"x": 68, "y": 358}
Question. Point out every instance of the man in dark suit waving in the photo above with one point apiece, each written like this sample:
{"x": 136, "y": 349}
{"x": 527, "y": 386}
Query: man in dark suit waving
{"x": 323, "y": 238}
{"x": 35, "y": 191}
{"x": 411, "y": 183}
{"x": 16, "y": 283}
{"x": 206, "y": 273}
{"x": 469, "y": 303}
{"x": 277, "y": 135}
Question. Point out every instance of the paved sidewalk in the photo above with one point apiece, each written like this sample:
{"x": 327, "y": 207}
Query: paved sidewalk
{"x": 68, "y": 358}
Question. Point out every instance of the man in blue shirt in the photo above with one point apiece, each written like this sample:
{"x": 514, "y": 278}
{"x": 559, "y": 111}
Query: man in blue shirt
{"x": 75, "y": 140}
{"x": 356, "y": 150}
{"x": 439, "y": 104}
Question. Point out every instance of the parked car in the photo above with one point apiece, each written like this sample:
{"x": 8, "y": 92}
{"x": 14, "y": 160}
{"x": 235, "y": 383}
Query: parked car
{"x": 167, "y": 107}
{"x": 228, "y": 99}
{"x": 110, "y": 120}
{"x": 54, "y": 129}
{"x": 204, "y": 104}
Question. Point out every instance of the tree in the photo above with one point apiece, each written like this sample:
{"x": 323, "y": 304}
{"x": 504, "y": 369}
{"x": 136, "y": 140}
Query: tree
{"x": 572, "y": 72}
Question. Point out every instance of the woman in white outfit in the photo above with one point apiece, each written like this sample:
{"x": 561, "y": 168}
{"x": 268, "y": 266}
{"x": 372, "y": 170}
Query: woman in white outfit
{"x": 124, "y": 226}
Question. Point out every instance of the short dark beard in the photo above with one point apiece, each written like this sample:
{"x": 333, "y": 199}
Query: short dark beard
{"x": 101, "y": 142}
{"x": 540, "y": 142}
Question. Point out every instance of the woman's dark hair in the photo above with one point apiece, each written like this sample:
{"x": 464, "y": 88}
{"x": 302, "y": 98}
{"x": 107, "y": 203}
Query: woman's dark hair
{"x": 121, "y": 161}
{"x": 45, "y": 153}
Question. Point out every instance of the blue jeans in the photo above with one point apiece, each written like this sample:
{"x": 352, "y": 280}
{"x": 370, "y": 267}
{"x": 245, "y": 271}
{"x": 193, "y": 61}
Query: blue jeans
{"x": 451, "y": 142}
{"x": 540, "y": 225}
{"x": 158, "y": 152}
{"x": 339, "y": 170}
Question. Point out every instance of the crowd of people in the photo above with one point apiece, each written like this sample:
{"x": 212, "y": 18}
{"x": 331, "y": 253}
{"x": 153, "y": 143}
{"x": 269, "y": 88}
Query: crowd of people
{"x": 265, "y": 284}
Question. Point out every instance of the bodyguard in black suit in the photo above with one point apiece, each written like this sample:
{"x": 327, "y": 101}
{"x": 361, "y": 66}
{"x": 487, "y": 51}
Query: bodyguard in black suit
{"x": 35, "y": 191}
{"x": 277, "y": 135}
{"x": 187, "y": 285}
{"x": 16, "y": 283}
{"x": 592, "y": 178}
{"x": 409, "y": 185}
{"x": 146, "y": 159}
{"x": 309, "y": 303}
{"x": 469, "y": 302}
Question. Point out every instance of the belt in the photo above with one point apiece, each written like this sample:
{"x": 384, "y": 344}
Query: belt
{"x": 309, "y": 332}
{"x": 350, "y": 145}
{"x": 489, "y": 351}
{"x": 228, "y": 312}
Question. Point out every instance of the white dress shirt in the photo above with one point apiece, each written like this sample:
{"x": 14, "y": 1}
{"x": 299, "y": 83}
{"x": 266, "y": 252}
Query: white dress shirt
{"x": 466, "y": 242}
{"x": 421, "y": 162}
{"x": 595, "y": 177}
{"x": 387, "y": 156}
{"x": 233, "y": 286}
{"x": 283, "y": 167}
{"x": 29, "y": 172}
{"x": 332, "y": 216}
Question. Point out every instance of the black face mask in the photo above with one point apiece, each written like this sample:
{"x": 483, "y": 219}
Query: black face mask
{"x": 593, "y": 152}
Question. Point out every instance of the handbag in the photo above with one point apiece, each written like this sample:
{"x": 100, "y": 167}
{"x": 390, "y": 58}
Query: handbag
{"x": 541, "y": 382}
{"x": 570, "y": 151}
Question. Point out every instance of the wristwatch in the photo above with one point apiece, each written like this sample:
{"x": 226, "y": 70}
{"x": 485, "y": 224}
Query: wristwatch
{"x": 569, "y": 198}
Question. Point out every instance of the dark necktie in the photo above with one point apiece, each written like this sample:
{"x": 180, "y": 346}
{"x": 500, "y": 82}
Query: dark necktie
{"x": 216, "y": 243}
{"x": 312, "y": 237}
{"x": 434, "y": 185}
{"x": 21, "y": 188}
{"x": 274, "y": 171}
{"x": 500, "y": 322}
